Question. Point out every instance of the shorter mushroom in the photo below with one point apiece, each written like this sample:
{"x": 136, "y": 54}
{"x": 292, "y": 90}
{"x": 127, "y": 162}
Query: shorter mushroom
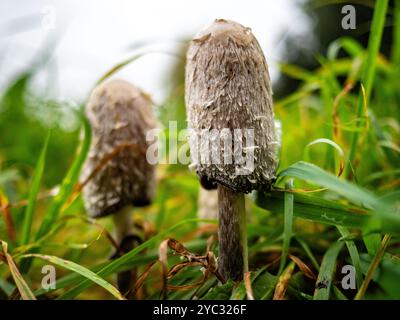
{"x": 117, "y": 173}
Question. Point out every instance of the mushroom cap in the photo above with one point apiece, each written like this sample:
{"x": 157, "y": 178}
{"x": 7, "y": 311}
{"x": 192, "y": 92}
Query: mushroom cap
{"x": 227, "y": 86}
{"x": 120, "y": 116}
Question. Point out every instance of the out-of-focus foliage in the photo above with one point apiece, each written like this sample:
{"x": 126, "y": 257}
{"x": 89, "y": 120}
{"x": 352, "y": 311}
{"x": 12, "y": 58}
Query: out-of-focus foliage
{"x": 336, "y": 212}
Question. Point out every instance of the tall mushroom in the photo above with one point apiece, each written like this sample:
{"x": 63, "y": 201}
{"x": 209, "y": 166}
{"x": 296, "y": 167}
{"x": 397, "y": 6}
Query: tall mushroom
{"x": 117, "y": 172}
{"x": 227, "y": 87}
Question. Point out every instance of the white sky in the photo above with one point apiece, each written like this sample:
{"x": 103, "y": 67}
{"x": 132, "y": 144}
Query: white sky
{"x": 94, "y": 35}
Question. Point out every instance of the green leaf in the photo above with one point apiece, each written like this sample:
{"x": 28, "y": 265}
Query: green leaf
{"x": 325, "y": 276}
{"x": 6, "y": 287}
{"x": 239, "y": 293}
{"x": 314, "y": 209}
{"x": 81, "y": 270}
{"x": 118, "y": 67}
{"x": 350, "y": 45}
{"x": 386, "y": 275}
{"x": 384, "y": 215}
{"x": 264, "y": 285}
{"x": 222, "y": 292}
{"x": 355, "y": 257}
{"x": 34, "y": 190}
{"x": 329, "y": 142}
{"x": 287, "y": 231}
{"x": 312, "y": 173}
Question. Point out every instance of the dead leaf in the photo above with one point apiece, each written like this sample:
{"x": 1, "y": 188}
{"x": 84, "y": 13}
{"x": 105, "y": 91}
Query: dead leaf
{"x": 303, "y": 267}
{"x": 283, "y": 282}
{"x": 247, "y": 284}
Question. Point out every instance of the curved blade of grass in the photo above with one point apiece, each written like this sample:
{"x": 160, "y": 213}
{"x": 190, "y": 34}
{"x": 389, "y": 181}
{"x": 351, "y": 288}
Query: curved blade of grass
{"x": 288, "y": 224}
{"x": 325, "y": 276}
{"x": 23, "y": 288}
{"x": 308, "y": 252}
{"x": 386, "y": 217}
{"x": 367, "y": 79}
{"x": 327, "y": 141}
{"x": 90, "y": 275}
{"x": 114, "y": 265}
{"x": 350, "y": 45}
{"x": 118, "y": 67}
{"x": 355, "y": 257}
{"x": 34, "y": 190}
{"x": 312, "y": 173}
{"x": 314, "y": 209}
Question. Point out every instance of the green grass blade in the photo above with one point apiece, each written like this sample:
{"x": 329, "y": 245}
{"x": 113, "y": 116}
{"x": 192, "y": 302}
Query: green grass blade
{"x": 396, "y": 35}
{"x": 68, "y": 183}
{"x": 308, "y": 252}
{"x": 288, "y": 225}
{"x": 386, "y": 217}
{"x": 350, "y": 45}
{"x": 34, "y": 190}
{"x": 72, "y": 266}
{"x": 329, "y": 142}
{"x": 354, "y": 256}
{"x": 6, "y": 287}
{"x": 367, "y": 79}
{"x": 118, "y": 67}
{"x": 309, "y": 172}
{"x": 325, "y": 276}
{"x": 372, "y": 243}
{"x": 314, "y": 209}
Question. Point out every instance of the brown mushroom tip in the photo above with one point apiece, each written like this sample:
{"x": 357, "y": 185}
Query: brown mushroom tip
{"x": 116, "y": 171}
{"x": 221, "y": 30}
{"x": 227, "y": 86}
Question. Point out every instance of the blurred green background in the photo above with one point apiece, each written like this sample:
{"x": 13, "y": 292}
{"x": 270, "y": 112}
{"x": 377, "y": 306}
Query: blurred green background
{"x": 317, "y": 96}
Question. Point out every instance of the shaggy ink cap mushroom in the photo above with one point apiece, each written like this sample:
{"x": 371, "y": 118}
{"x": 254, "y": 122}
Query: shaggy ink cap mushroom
{"x": 120, "y": 115}
{"x": 228, "y": 86}
{"x": 116, "y": 171}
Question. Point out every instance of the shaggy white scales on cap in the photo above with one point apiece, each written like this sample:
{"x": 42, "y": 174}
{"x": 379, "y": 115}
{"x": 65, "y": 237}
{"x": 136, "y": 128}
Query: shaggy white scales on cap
{"x": 228, "y": 86}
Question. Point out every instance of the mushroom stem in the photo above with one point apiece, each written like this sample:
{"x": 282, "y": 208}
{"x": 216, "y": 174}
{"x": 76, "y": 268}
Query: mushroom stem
{"x": 123, "y": 224}
{"x": 123, "y": 235}
{"x": 233, "y": 255}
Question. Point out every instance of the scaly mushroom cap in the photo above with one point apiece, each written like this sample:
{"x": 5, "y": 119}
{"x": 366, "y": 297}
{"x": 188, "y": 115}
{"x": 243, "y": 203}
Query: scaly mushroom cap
{"x": 228, "y": 86}
{"x": 120, "y": 116}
